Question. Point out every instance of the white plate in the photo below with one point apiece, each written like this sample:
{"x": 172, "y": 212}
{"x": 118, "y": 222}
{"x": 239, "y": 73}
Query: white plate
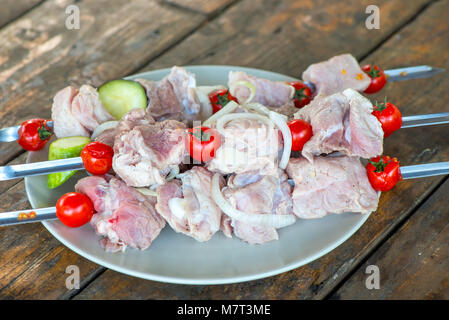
{"x": 176, "y": 258}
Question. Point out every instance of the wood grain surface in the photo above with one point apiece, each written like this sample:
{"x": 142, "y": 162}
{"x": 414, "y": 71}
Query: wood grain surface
{"x": 38, "y": 56}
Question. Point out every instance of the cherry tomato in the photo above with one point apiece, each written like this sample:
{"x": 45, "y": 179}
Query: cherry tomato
{"x": 74, "y": 209}
{"x": 377, "y": 76}
{"x": 303, "y": 94}
{"x": 202, "y": 142}
{"x": 389, "y": 116}
{"x": 34, "y": 134}
{"x": 97, "y": 157}
{"x": 301, "y": 133}
{"x": 220, "y": 98}
{"x": 383, "y": 173}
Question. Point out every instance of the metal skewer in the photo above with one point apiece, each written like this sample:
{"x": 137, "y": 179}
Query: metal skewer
{"x": 52, "y": 166}
{"x": 43, "y": 214}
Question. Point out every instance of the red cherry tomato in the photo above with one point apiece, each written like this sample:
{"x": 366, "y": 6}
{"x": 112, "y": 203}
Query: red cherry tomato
{"x": 74, "y": 209}
{"x": 97, "y": 157}
{"x": 383, "y": 173}
{"x": 34, "y": 134}
{"x": 301, "y": 133}
{"x": 377, "y": 76}
{"x": 303, "y": 94}
{"x": 220, "y": 98}
{"x": 202, "y": 142}
{"x": 389, "y": 116}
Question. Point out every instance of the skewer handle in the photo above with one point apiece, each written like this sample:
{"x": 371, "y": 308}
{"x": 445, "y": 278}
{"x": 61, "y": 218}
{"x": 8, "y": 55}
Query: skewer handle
{"x": 408, "y": 73}
{"x": 40, "y": 168}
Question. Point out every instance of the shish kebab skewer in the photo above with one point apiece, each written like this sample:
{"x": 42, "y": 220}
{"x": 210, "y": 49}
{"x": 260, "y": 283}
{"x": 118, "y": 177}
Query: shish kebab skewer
{"x": 43, "y": 214}
{"x": 96, "y": 158}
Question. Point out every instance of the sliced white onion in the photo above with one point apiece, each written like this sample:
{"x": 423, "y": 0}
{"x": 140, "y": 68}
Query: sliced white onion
{"x": 147, "y": 192}
{"x": 102, "y": 127}
{"x": 269, "y": 220}
{"x": 286, "y": 135}
{"x": 258, "y": 107}
{"x": 174, "y": 172}
{"x": 228, "y": 108}
{"x": 243, "y": 115}
{"x": 246, "y": 84}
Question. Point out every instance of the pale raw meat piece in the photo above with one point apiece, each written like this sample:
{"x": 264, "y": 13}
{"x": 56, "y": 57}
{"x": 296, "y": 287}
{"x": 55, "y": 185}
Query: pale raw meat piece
{"x": 145, "y": 151}
{"x": 342, "y": 122}
{"x": 269, "y": 93}
{"x": 173, "y": 97}
{"x": 365, "y": 134}
{"x": 187, "y": 204}
{"x": 336, "y": 74}
{"x": 88, "y": 108}
{"x": 256, "y": 194}
{"x": 330, "y": 185}
{"x": 65, "y": 124}
{"x": 125, "y": 217}
{"x": 247, "y": 145}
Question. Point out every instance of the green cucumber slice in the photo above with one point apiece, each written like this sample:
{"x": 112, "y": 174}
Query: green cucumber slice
{"x": 64, "y": 148}
{"x": 120, "y": 96}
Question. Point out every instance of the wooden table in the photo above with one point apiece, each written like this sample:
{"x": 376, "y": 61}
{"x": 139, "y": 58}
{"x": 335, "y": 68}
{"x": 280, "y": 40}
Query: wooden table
{"x": 408, "y": 236}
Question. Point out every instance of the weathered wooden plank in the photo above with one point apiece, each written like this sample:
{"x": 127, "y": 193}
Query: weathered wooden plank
{"x": 11, "y": 9}
{"x": 39, "y": 55}
{"x": 208, "y": 7}
{"x": 414, "y": 262}
{"x": 32, "y": 261}
{"x": 317, "y": 279}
